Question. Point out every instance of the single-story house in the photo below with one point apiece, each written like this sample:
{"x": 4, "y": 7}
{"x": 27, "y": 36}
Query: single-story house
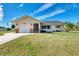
{"x": 2, "y": 28}
{"x": 28, "y": 24}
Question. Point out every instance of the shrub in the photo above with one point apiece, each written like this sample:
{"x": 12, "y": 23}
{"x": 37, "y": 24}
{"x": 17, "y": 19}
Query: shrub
{"x": 8, "y": 29}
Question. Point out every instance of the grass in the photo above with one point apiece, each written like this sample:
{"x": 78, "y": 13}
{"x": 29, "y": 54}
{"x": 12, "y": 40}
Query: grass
{"x": 45, "y": 44}
{"x": 5, "y": 31}
{"x": 1, "y": 33}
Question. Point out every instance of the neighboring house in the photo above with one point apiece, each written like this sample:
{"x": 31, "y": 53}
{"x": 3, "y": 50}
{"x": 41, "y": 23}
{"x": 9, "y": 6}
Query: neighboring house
{"x": 27, "y": 24}
{"x": 2, "y": 28}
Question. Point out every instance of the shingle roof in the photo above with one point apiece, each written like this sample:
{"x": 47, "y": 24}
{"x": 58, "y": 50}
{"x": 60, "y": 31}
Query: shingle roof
{"x": 53, "y": 22}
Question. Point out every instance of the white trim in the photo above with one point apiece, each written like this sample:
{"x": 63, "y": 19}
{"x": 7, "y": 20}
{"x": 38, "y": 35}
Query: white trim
{"x": 39, "y": 27}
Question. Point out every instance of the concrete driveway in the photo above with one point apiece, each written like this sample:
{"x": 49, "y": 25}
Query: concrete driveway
{"x": 11, "y": 36}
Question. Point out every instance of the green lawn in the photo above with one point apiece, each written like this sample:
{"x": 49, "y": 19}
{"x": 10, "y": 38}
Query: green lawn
{"x": 5, "y": 31}
{"x": 45, "y": 44}
{"x": 1, "y": 33}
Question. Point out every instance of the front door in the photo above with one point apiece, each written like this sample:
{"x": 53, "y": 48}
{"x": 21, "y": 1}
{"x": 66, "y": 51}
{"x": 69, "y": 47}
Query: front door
{"x": 36, "y": 27}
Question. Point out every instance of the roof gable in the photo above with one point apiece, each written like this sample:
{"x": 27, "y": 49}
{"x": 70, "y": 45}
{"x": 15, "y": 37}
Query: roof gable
{"x": 24, "y": 18}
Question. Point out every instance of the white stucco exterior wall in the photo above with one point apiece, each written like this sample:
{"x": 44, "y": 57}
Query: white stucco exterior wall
{"x": 26, "y": 23}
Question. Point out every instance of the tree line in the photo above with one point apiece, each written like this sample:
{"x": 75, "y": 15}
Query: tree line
{"x": 71, "y": 26}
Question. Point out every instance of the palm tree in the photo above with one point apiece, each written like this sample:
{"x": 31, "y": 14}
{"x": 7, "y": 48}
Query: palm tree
{"x": 77, "y": 26}
{"x": 69, "y": 26}
{"x": 12, "y": 26}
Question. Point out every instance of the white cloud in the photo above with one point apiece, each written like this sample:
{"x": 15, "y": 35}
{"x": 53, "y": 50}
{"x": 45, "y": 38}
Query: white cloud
{"x": 53, "y": 13}
{"x": 21, "y": 5}
{"x": 10, "y": 23}
{"x": 58, "y": 11}
{"x": 14, "y": 18}
{"x": 1, "y": 12}
{"x": 44, "y": 7}
{"x": 1, "y": 6}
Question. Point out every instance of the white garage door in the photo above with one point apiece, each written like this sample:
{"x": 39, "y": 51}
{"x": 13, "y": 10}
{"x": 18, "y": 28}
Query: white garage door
{"x": 24, "y": 28}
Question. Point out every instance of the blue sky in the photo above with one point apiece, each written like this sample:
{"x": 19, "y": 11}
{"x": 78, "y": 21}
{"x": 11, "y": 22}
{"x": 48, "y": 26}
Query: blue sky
{"x": 41, "y": 11}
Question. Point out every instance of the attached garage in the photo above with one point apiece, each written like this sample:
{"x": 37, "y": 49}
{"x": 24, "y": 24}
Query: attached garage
{"x": 23, "y": 28}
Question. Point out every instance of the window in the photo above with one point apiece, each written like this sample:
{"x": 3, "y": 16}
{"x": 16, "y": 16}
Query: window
{"x": 46, "y": 27}
{"x": 58, "y": 26}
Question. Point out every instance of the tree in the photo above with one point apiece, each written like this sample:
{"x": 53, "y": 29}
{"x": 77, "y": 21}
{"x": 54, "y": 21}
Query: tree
{"x": 69, "y": 26}
{"x": 8, "y": 29}
{"x": 77, "y": 26}
{"x": 13, "y": 26}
